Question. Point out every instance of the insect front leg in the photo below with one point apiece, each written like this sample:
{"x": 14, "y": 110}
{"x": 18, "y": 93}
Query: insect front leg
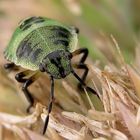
{"x": 81, "y": 64}
{"x": 50, "y": 105}
{"x": 20, "y": 77}
{"x": 10, "y": 66}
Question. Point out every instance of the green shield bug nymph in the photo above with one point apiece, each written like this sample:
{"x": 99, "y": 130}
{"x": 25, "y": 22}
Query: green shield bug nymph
{"x": 41, "y": 44}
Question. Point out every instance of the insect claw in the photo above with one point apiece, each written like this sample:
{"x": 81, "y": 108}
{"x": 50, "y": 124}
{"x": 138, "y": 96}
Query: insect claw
{"x": 80, "y": 87}
{"x": 29, "y": 108}
{"x": 9, "y": 66}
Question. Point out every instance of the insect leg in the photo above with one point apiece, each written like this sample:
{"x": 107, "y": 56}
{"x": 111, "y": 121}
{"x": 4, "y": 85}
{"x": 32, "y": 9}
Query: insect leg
{"x": 50, "y": 105}
{"x": 10, "y": 66}
{"x": 79, "y": 51}
{"x": 83, "y": 84}
{"x": 81, "y": 64}
{"x": 85, "y": 68}
{"x": 20, "y": 76}
{"x": 26, "y": 83}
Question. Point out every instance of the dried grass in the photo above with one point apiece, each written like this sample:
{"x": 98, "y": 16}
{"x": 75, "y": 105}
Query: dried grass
{"x": 119, "y": 119}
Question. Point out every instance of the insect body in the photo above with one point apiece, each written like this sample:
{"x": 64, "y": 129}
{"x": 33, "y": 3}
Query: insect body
{"x": 44, "y": 45}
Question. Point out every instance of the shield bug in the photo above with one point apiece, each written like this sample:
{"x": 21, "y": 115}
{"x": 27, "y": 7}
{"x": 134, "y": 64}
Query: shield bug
{"x": 41, "y": 44}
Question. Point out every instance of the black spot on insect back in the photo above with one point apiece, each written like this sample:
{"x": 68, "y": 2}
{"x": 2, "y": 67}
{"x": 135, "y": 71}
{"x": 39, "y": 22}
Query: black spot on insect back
{"x": 28, "y": 22}
{"x": 61, "y": 31}
{"x": 24, "y": 49}
{"x": 76, "y": 30}
{"x": 34, "y": 55}
{"x": 62, "y": 34}
{"x": 58, "y": 28}
{"x": 61, "y": 42}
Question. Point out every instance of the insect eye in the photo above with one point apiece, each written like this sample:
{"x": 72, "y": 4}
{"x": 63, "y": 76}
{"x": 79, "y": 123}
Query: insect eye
{"x": 76, "y": 30}
{"x": 58, "y": 59}
{"x": 41, "y": 68}
{"x": 52, "y": 61}
{"x": 69, "y": 55}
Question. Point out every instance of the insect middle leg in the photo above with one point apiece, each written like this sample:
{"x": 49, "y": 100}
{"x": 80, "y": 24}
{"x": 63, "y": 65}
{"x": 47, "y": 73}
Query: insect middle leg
{"x": 20, "y": 77}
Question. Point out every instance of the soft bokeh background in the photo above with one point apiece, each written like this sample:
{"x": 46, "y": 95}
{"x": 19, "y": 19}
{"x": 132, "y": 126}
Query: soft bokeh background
{"x": 97, "y": 20}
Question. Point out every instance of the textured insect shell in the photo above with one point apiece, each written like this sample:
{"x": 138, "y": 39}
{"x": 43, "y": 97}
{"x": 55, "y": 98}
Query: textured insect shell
{"x": 19, "y": 35}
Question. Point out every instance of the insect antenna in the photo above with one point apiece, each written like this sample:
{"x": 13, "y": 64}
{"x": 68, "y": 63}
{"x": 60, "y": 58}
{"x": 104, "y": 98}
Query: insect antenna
{"x": 50, "y": 105}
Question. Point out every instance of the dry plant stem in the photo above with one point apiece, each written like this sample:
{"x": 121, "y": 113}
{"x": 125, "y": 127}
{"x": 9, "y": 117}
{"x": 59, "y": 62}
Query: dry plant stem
{"x": 99, "y": 124}
{"x": 101, "y": 116}
{"x": 34, "y": 136}
{"x": 138, "y": 117}
{"x": 112, "y": 103}
{"x": 17, "y": 120}
{"x": 127, "y": 68}
{"x": 75, "y": 95}
{"x": 136, "y": 80}
{"x": 98, "y": 127}
{"x": 97, "y": 90}
{"x": 100, "y": 138}
{"x": 63, "y": 130}
{"x": 130, "y": 120}
{"x": 17, "y": 124}
{"x": 91, "y": 105}
{"x": 51, "y": 133}
{"x": 116, "y": 90}
{"x": 18, "y": 131}
{"x": 1, "y": 132}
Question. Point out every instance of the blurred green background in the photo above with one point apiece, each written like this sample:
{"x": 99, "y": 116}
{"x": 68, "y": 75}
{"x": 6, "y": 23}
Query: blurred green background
{"x": 96, "y": 19}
